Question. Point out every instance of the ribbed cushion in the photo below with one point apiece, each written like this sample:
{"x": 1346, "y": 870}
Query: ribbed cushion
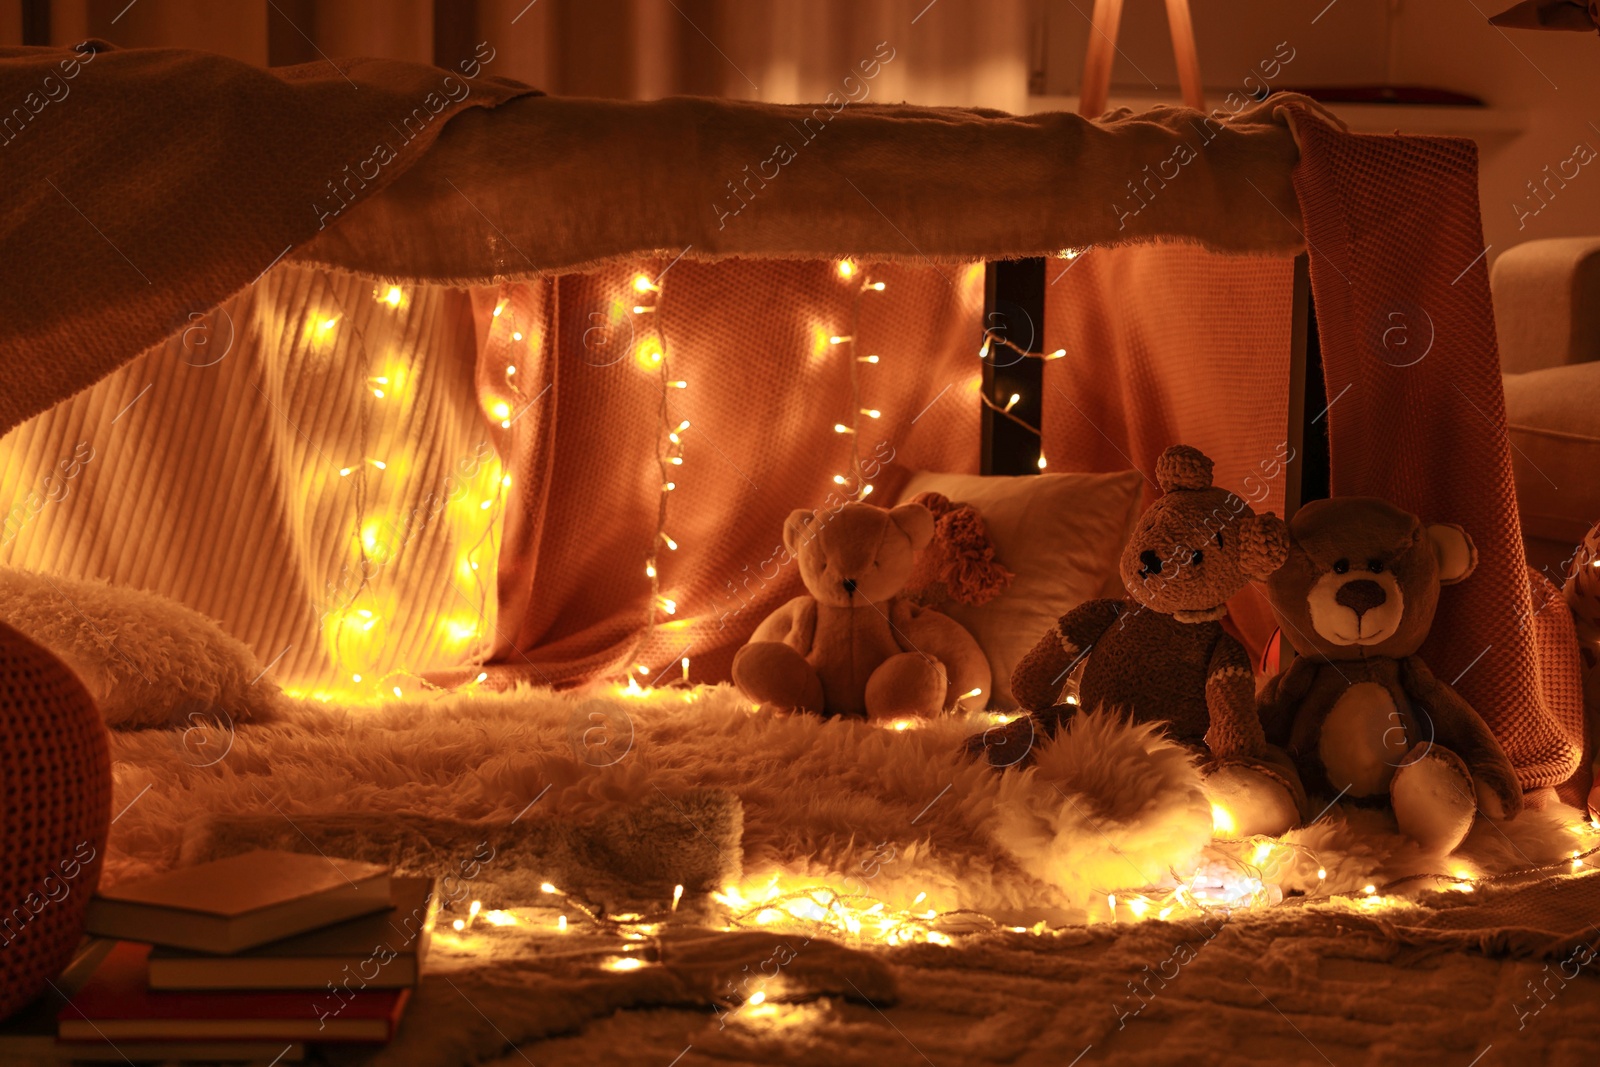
{"x": 55, "y": 775}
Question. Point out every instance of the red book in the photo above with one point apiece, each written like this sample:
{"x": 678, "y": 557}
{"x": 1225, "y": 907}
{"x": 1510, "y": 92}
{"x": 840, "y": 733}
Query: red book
{"x": 116, "y": 1004}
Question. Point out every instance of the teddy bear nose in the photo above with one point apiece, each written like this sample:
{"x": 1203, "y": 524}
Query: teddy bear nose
{"x": 849, "y": 585}
{"x": 1151, "y": 562}
{"x": 1360, "y": 596}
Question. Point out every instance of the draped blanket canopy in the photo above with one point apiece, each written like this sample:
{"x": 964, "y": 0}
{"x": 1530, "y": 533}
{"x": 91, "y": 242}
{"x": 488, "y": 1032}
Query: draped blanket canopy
{"x": 158, "y": 192}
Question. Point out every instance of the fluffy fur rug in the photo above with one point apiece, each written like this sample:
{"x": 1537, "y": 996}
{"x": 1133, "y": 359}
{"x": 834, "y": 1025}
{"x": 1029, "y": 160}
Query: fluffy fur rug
{"x": 617, "y": 799}
{"x": 616, "y": 795}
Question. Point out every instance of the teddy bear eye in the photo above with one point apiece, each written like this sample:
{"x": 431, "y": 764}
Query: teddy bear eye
{"x": 1198, "y": 557}
{"x": 1341, "y": 566}
{"x": 1219, "y": 539}
{"x": 1375, "y": 566}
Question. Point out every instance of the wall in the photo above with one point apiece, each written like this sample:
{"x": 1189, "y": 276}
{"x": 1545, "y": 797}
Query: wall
{"x": 1552, "y": 79}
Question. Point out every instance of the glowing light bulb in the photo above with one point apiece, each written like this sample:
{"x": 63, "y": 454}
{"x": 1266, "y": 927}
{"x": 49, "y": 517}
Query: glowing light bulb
{"x": 644, "y": 285}
{"x": 669, "y": 542}
{"x": 685, "y": 668}
{"x": 1015, "y": 397}
{"x": 482, "y": 676}
{"x": 983, "y": 353}
{"x": 677, "y": 895}
{"x": 623, "y": 963}
{"x": 380, "y": 464}
{"x": 497, "y": 309}
{"x": 1369, "y": 889}
{"x": 679, "y": 385}
{"x": 667, "y": 487}
{"x": 866, "y": 490}
{"x": 1221, "y": 820}
{"x": 546, "y": 887}
{"x": 1042, "y": 463}
{"x": 756, "y": 998}
{"x": 1057, "y": 354}
{"x": 839, "y": 339}
{"x": 972, "y": 693}
{"x": 378, "y": 393}
{"x": 839, "y": 479}
{"x": 393, "y": 296}
{"x": 328, "y": 324}
{"x": 1322, "y": 874}
{"x": 676, "y": 461}
{"x": 682, "y": 426}
{"x": 511, "y": 372}
{"x": 561, "y": 923}
{"x": 516, "y": 335}
{"x": 649, "y": 570}
{"x": 506, "y": 481}
{"x": 485, "y": 505}
{"x": 876, "y": 287}
{"x": 500, "y": 409}
{"x": 505, "y": 424}
{"x": 344, "y": 472}
{"x": 355, "y": 677}
{"x": 846, "y": 268}
{"x": 840, "y": 427}
{"x": 871, "y": 413}
{"x": 458, "y": 926}
{"x": 397, "y": 692}
{"x": 669, "y": 606}
{"x": 866, "y": 359}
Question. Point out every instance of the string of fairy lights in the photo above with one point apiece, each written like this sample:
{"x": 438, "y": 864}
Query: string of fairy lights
{"x": 357, "y": 616}
{"x": 1235, "y": 876}
{"x": 653, "y": 354}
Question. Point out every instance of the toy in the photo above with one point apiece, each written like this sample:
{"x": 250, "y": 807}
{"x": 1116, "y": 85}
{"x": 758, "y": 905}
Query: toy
{"x": 1162, "y": 654}
{"x": 1359, "y": 712}
{"x": 1582, "y": 592}
{"x": 852, "y": 645}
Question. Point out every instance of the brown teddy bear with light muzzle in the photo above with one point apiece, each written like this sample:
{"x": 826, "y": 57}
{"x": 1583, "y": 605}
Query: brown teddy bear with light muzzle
{"x": 852, "y": 645}
{"x": 1359, "y": 712}
{"x": 1162, "y": 654}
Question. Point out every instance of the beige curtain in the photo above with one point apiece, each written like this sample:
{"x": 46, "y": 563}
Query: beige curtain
{"x": 971, "y": 53}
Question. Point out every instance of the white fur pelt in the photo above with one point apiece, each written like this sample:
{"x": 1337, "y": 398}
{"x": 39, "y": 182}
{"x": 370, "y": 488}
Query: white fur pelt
{"x": 884, "y": 812}
{"x": 146, "y": 659}
{"x": 891, "y": 814}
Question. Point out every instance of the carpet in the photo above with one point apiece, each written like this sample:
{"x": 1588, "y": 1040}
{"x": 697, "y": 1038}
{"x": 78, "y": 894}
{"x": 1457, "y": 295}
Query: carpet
{"x": 574, "y": 817}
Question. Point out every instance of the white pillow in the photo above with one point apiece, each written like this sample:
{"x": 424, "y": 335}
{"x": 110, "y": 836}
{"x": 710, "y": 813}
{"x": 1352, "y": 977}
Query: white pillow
{"x": 146, "y": 660}
{"x": 1060, "y": 534}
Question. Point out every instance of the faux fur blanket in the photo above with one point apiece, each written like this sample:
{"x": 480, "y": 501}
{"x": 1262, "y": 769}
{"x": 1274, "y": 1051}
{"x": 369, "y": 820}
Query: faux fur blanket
{"x": 615, "y": 801}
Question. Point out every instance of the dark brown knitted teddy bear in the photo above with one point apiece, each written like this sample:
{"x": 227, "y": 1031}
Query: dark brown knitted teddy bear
{"x": 1359, "y": 711}
{"x": 1162, "y": 654}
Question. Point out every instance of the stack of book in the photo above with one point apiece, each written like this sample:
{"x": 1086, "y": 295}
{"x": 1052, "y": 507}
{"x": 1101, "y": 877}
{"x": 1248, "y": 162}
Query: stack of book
{"x": 245, "y": 959}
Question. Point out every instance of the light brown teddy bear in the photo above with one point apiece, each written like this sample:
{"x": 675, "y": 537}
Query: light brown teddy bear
{"x": 1162, "y": 655}
{"x": 852, "y": 646}
{"x": 1359, "y": 712}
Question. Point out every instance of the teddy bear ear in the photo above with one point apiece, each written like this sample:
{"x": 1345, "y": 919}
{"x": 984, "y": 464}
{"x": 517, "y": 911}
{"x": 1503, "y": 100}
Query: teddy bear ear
{"x": 1457, "y": 555}
{"x": 1263, "y": 545}
{"x": 916, "y": 522}
{"x": 794, "y": 527}
{"x": 1183, "y": 467}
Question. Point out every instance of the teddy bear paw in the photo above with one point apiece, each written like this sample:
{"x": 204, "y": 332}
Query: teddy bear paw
{"x": 1009, "y": 744}
{"x": 906, "y": 685}
{"x": 775, "y": 675}
{"x": 1247, "y": 800}
{"x": 1433, "y": 798}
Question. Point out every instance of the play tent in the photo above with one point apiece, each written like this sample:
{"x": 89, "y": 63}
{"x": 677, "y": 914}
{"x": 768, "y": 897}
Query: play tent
{"x": 347, "y": 357}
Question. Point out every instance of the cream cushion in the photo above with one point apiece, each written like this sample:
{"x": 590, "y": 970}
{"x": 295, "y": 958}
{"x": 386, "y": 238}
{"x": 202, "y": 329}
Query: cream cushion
{"x": 1060, "y": 534}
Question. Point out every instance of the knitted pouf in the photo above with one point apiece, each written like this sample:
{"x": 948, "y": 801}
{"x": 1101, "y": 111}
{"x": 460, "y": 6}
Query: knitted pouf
{"x": 55, "y": 812}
